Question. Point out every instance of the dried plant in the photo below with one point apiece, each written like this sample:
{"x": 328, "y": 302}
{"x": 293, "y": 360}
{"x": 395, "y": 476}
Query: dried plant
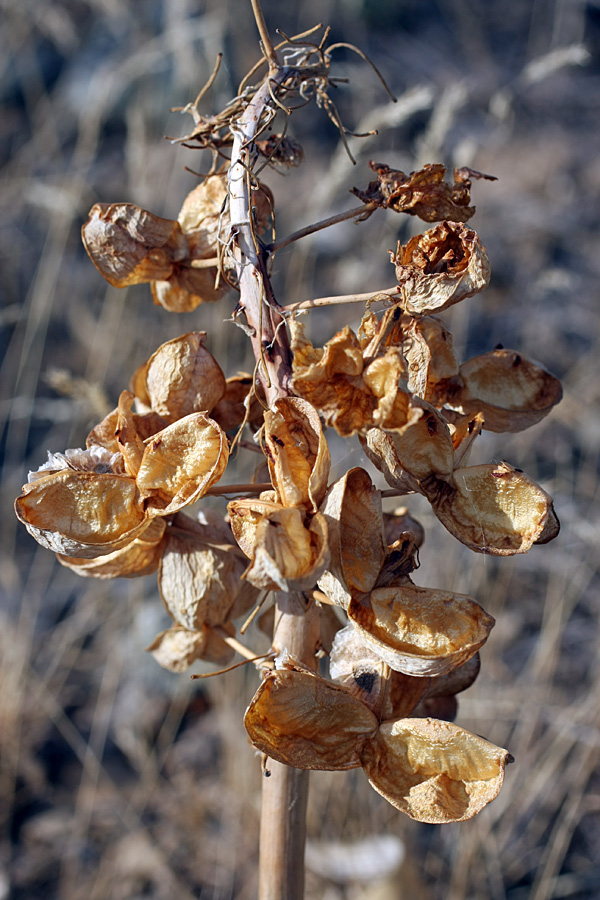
{"x": 339, "y": 569}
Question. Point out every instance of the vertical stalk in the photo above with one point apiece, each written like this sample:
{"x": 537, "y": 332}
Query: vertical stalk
{"x": 285, "y": 791}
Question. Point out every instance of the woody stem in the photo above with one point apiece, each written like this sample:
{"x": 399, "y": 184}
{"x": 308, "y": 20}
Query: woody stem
{"x": 285, "y": 791}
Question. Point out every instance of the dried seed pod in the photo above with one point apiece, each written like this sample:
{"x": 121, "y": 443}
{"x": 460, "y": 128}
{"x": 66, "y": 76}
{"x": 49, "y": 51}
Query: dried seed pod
{"x": 129, "y": 245}
{"x": 354, "y": 663}
{"x": 411, "y": 454}
{"x": 177, "y": 648}
{"x": 104, "y": 434}
{"x": 82, "y": 514}
{"x": 357, "y": 546}
{"x": 351, "y": 395}
{"x": 420, "y": 631}
{"x": 493, "y": 508}
{"x": 433, "y": 771}
{"x": 198, "y": 583}
{"x": 430, "y": 357}
{"x": 186, "y": 289}
{"x": 287, "y": 555}
{"x": 423, "y": 193}
{"x": 302, "y": 720}
{"x": 441, "y": 267}
{"x": 181, "y": 463}
{"x": 297, "y": 452}
{"x": 511, "y": 392}
{"x": 202, "y": 216}
{"x": 140, "y": 557}
{"x": 464, "y": 430}
{"x": 180, "y": 378}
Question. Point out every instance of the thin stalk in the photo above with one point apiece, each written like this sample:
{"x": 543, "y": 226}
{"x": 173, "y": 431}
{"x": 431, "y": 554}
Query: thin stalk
{"x": 341, "y": 299}
{"x": 285, "y": 791}
{"x": 319, "y": 226}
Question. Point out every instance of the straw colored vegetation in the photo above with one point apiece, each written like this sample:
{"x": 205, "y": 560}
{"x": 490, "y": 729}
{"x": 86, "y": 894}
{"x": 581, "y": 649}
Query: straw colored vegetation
{"x": 119, "y": 779}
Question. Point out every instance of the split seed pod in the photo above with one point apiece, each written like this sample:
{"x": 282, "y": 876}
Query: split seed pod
{"x": 441, "y": 267}
{"x": 434, "y": 771}
{"x": 420, "y": 631}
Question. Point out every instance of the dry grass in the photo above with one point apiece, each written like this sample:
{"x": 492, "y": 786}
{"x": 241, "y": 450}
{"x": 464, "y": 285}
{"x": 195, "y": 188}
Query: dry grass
{"x": 120, "y": 781}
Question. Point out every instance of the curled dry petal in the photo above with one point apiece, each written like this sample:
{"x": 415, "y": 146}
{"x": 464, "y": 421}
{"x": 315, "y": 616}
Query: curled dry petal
{"x": 129, "y": 245}
{"x": 511, "y": 392}
{"x": 297, "y": 452}
{"x": 140, "y": 557}
{"x": 420, "y": 631}
{"x": 181, "y": 463}
{"x": 288, "y": 555}
{"x": 198, "y": 583}
{"x": 441, "y": 267}
{"x": 493, "y": 508}
{"x": 177, "y": 648}
{"x": 82, "y": 514}
{"x": 430, "y": 357}
{"x": 434, "y": 771}
{"x": 423, "y": 193}
{"x": 180, "y": 378}
{"x": 304, "y": 721}
{"x": 357, "y": 546}
{"x": 411, "y": 454}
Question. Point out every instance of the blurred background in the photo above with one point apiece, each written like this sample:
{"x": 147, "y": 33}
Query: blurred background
{"x": 120, "y": 780}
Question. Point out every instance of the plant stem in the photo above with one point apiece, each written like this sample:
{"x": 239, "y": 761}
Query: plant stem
{"x": 319, "y": 226}
{"x": 343, "y": 298}
{"x": 285, "y": 792}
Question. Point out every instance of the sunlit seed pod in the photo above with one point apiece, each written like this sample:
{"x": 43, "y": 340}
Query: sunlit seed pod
{"x": 304, "y": 721}
{"x": 139, "y": 557}
{"x": 181, "y": 463}
{"x": 357, "y": 546}
{"x": 434, "y": 771}
{"x": 129, "y": 245}
{"x": 297, "y": 453}
{"x": 510, "y": 391}
{"x": 441, "y": 267}
{"x": 420, "y": 631}
{"x": 180, "y": 378}
{"x": 493, "y": 508}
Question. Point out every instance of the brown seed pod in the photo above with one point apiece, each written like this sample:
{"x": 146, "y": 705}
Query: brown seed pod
{"x": 511, "y": 392}
{"x": 140, "y": 557}
{"x": 177, "y": 648}
{"x": 434, "y": 771}
{"x": 302, "y": 720}
{"x": 441, "y": 267}
{"x": 493, "y": 508}
{"x": 357, "y": 546}
{"x": 297, "y": 453}
{"x": 180, "y": 378}
{"x": 420, "y": 631}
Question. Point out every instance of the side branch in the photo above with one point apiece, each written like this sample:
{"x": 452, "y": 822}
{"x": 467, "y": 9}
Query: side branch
{"x": 318, "y": 226}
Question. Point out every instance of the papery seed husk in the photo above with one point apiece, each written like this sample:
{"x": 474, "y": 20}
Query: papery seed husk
{"x": 398, "y": 523}
{"x": 181, "y": 463}
{"x": 105, "y": 433}
{"x": 420, "y": 631}
{"x": 180, "y": 378}
{"x": 304, "y": 721}
{"x": 129, "y": 245}
{"x": 441, "y": 267}
{"x": 198, "y": 584}
{"x": 511, "y": 392}
{"x": 288, "y": 555}
{"x": 186, "y": 289}
{"x": 82, "y": 514}
{"x": 297, "y": 452}
{"x": 492, "y": 508}
{"x": 432, "y": 363}
{"x": 177, "y": 648}
{"x": 140, "y": 557}
{"x": 230, "y": 411}
{"x": 434, "y": 771}
{"x": 457, "y": 680}
{"x": 245, "y": 514}
{"x": 357, "y": 546}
